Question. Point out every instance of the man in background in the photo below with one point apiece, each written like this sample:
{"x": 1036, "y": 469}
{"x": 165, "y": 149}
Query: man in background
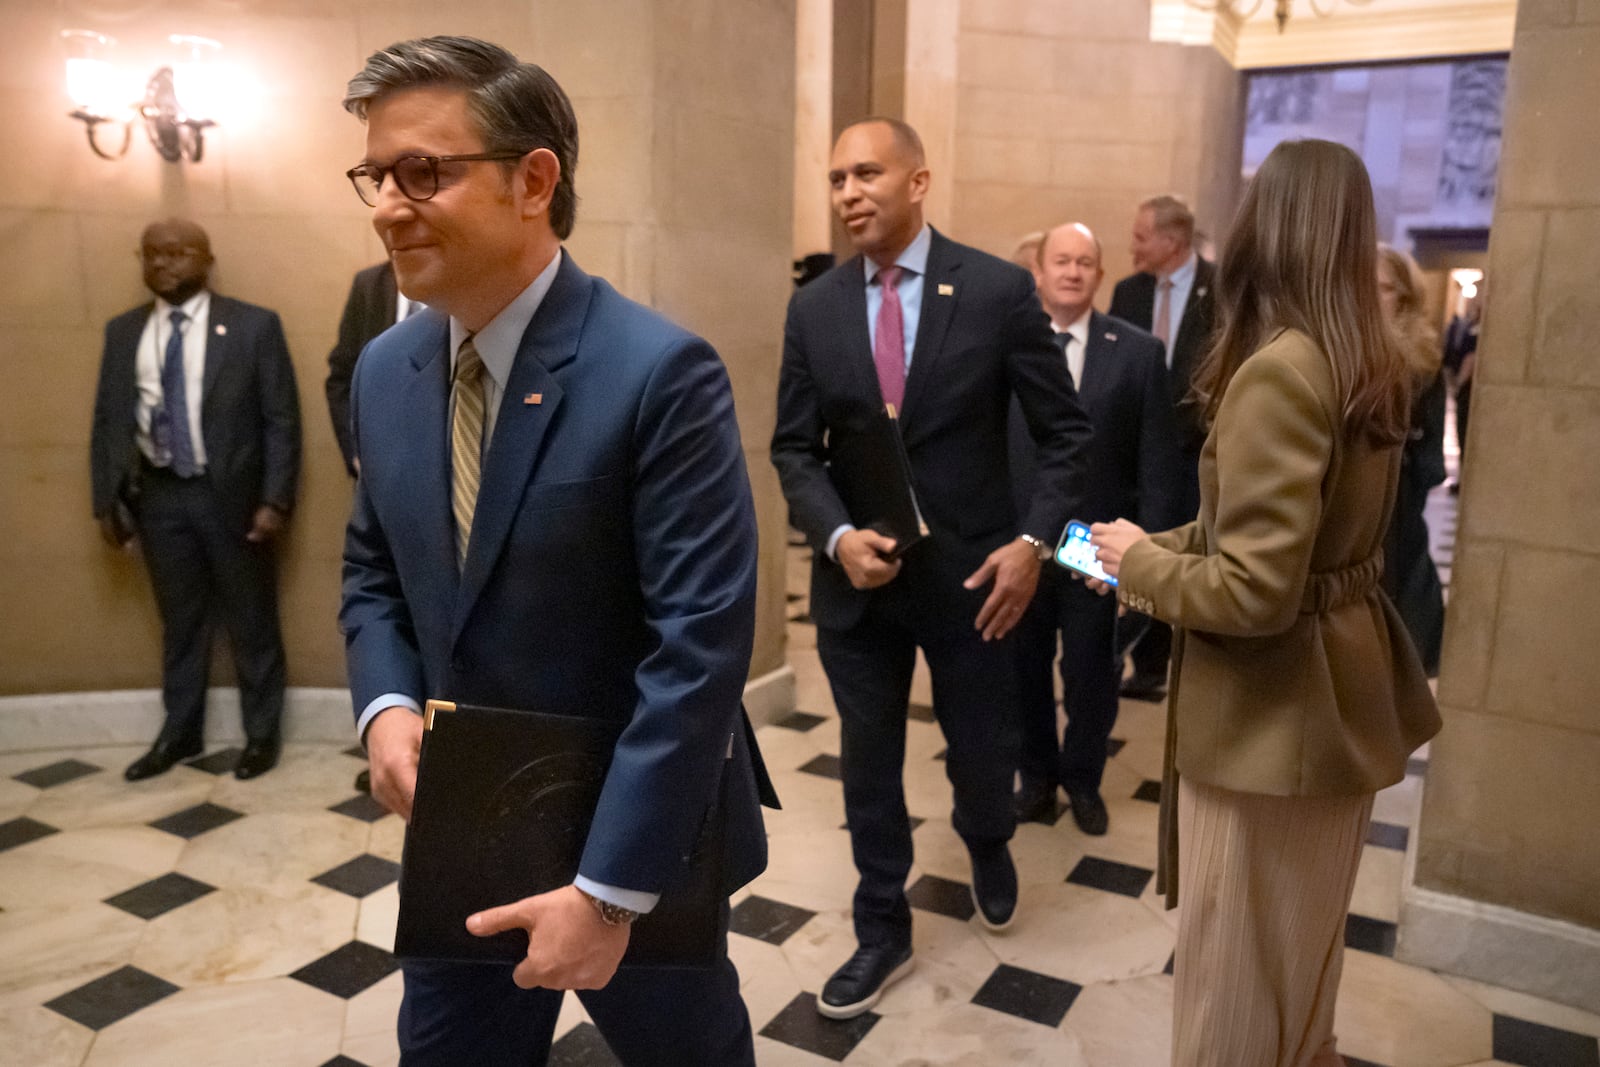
{"x": 1169, "y": 295}
{"x": 196, "y": 440}
{"x": 1121, "y": 376}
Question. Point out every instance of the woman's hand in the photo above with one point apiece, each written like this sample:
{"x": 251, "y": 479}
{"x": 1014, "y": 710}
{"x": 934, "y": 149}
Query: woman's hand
{"x": 1111, "y": 541}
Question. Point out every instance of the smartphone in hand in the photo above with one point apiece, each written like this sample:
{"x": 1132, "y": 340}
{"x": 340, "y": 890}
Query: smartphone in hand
{"x": 1076, "y": 553}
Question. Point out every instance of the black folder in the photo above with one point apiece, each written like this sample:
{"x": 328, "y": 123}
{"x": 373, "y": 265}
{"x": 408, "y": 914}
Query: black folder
{"x": 870, "y": 469}
{"x": 502, "y": 809}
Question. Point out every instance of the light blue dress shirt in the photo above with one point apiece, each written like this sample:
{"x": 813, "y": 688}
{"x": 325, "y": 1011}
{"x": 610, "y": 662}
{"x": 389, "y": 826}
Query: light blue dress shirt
{"x": 1182, "y": 282}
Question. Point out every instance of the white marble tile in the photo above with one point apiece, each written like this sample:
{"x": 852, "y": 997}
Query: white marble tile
{"x": 1143, "y": 754}
{"x": 1400, "y": 804}
{"x": 48, "y": 951}
{"x": 83, "y": 865}
{"x": 810, "y": 870}
{"x": 376, "y": 916}
{"x": 1142, "y": 719}
{"x": 1523, "y": 1006}
{"x": 388, "y": 838}
{"x": 770, "y": 1053}
{"x": 106, "y": 800}
{"x": 572, "y": 1013}
{"x": 1377, "y": 894}
{"x": 953, "y": 962}
{"x": 1126, "y": 1023}
{"x": 811, "y": 691}
{"x": 373, "y": 1011}
{"x": 819, "y": 948}
{"x": 307, "y": 776}
{"x": 766, "y": 981}
{"x": 278, "y": 848}
{"x": 373, "y": 1050}
{"x": 786, "y": 750}
{"x": 967, "y": 1035}
{"x": 277, "y": 1023}
{"x": 1084, "y": 935}
{"x": 16, "y": 798}
{"x": 35, "y": 1036}
{"x": 236, "y": 935}
{"x": 811, "y": 804}
{"x": 1391, "y": 1013}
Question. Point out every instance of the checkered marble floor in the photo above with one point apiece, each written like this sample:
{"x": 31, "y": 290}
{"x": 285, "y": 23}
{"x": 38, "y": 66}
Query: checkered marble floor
{"x": 197, "y": 920}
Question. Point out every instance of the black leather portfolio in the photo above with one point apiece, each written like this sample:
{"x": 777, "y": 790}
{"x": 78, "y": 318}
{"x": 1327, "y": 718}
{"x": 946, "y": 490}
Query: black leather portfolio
{"x": 502, "y": 809}
{"x": 872, "y": 473}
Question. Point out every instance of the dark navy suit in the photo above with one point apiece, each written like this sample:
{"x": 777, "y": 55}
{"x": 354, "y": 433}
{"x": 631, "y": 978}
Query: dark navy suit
{"x": 612, "y": 573}
{"x": 368, "y": 311}
{"x": 1133, "y": 473}
{"x": 981, "y": 339}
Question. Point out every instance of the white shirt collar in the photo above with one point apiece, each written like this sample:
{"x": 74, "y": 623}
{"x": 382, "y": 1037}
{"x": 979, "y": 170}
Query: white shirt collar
{"x": 1183, "y": 277}
{"x": 498, "y": 341}
{"x": 1079, "y": 328}
{"x": 913, "y": 258}
{"x": 191, "y": 307}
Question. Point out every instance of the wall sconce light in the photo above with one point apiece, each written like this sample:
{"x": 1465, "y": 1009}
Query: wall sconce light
{"x": 173, "y": 101}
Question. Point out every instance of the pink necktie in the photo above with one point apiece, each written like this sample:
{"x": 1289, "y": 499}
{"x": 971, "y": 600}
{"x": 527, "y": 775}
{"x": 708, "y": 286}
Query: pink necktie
{"x": 1163, "y": 312}
{"x": 889, "y": 347}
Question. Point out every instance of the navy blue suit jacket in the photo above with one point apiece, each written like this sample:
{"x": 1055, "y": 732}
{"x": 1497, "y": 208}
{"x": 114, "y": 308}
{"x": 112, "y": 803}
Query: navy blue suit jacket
{"x": 982, "y": 339}
{"x": 249, "y": 411}
{"x": 1134, "y": 466}
{"x": 611, "y": 570}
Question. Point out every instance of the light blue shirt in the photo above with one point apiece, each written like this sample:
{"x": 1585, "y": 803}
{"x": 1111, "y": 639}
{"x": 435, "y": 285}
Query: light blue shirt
{"x": 497, "y": 345}
{"x": 914, "y": 263}
{"x": 1182, "y": 282}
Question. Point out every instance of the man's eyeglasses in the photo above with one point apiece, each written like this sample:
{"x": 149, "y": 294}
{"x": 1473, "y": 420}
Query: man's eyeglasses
{"x": 416, "y": 176}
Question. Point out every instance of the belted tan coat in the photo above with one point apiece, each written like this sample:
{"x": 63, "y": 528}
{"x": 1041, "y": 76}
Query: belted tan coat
{"x": 1292, "y": 672}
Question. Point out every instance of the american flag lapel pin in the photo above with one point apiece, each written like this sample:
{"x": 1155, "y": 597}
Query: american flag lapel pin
{"x": 946, "y": 290}
{"x": 222, "y": 330}
{"x": 1110, "y": 336}
{"x": 533, "y": 398}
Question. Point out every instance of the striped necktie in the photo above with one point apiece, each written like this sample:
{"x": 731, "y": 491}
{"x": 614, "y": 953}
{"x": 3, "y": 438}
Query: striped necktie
{"x": 466, "y": 442}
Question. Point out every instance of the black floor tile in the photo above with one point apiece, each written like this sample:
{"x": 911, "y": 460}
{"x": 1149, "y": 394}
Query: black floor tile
{"x": 941, "y": 754}
{"x": 942, "y": 897}
{"x": 343, "y": 1061}
{"x": 1534, "y": 1045}
{"x": 1027, "y": 995}
{"x": 221, "y": 761}
{"x": 1387, "y": 835}
{"x": 582, "y": 1046}
{"x": 1369, "y": 935}
{"x": 1052, "y": 816}
{"x": 823, "y": 766}
{"x": 192, "y": 822}
{"x": 21, "y": 831}
{"x": 1172, "y": 962}
{"x": 1352, "y": 1061}
{"x": 159, "y": 895}
{"x": 799, "y": 1026}
{"x": 348, "y": 970}
{"x": 115, "y": 996}
{"x": 912, "y": 820}
{"x": 800, "y": 721}
{"x": 361, "y": 876}
{"x": 921, "y": 712}
{"x": 1416, "y": 766}
{"x": 56, "y": 773}
{"x": 361, "y": 806}
{"x": 1150, "y": 790}
{"x": 1110, "y": 876}
{"x": 1113, "y": 746}
{"x": 767, "y": 920}
{"x": 357, "y": 752}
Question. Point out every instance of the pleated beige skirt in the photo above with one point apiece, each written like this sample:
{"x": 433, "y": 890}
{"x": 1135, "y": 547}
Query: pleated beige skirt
{"x": 1265, "y": 885}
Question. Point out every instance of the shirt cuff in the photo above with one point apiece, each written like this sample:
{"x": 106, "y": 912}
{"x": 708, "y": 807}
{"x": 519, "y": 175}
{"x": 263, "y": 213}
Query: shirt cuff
{"x": 632, "y": 899}
{"x": 833, "y": 541}
{"x": 382, "y": 703}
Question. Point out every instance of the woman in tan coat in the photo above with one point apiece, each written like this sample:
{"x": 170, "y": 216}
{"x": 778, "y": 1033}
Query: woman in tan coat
{"x": 1296, "y": 694}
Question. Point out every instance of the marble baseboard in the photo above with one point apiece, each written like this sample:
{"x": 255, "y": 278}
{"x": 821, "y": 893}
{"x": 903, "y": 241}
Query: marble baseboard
{"x": 1528, "y": 953}
{"x": 133, "y": 717}
{"x": 771, "y": 696}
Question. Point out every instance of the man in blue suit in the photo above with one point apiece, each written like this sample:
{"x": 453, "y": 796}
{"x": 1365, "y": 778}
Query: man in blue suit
{"x": 1134, "y": 469}
{"x": 552, "y": 513}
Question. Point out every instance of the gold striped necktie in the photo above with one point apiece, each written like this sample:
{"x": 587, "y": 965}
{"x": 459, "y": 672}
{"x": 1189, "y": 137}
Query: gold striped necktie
{"x": 466, "y": 442}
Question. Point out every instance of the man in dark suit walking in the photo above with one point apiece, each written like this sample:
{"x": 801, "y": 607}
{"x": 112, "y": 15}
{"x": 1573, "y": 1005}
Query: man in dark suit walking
{"x": 553, "y": 514}
{"x": 197, "y": 438}
{"x": 946, "y": 335}
{"x": 1121, "y": 375}
{"x": 374, "y": 305}
{"x": 1170, "y": 296}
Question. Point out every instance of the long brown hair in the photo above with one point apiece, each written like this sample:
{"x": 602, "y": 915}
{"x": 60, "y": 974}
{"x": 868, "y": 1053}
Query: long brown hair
{"x": 1302, "y": 254}
{"x": 1418, "y": 339}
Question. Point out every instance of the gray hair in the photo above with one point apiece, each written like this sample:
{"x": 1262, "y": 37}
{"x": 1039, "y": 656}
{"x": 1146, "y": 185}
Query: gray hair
{"x": 1171, "y": 215}
{"x": 518, "y": 106}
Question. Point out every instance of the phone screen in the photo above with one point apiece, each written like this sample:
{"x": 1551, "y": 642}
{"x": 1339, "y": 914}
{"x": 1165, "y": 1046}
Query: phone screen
{"x": 1076, "y": 553}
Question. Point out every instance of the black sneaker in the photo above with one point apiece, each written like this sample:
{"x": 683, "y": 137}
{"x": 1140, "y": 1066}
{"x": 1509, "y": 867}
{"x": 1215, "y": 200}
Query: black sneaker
{"x": 857, "y": 985}
{"x": 994, "y": 886}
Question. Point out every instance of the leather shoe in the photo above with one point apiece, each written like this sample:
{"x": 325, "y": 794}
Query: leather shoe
{"x": 258, "y": 758}
{"x": 1150, "y": 687}
{"x": 1088, "y": 811}
{"x": 1034, "y": 801}
{"x": 160, "y": 758}
{"x": 856, "y": 987}
{"x": 994, "y": 886}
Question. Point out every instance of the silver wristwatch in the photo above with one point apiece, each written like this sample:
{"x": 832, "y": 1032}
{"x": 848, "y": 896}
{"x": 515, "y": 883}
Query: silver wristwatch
{"x": 1041, "y": 551}
{"x": 611, "y": 914}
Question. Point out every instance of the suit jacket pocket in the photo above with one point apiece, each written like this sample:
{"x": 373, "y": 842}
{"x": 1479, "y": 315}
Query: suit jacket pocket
{"x": 574, "y": 493}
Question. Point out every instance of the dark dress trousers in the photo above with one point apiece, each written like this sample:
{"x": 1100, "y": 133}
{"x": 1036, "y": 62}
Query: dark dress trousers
{"x": 981, "y": 339}
{"x": 192, "y": 530}
{"x": 368, "y": 311}
{"x": 1134, "y": 300}
{"x": 1133, "y": 472}
{"x": 611, "y": 573}
{"x": 1409, "y": 574}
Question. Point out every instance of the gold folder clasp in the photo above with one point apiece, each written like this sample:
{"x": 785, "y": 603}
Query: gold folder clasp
{"x": 433, "y": 706}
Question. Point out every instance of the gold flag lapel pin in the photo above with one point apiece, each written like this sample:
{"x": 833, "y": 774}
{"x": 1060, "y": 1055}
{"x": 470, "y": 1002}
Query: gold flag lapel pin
{"x": 946, "y": 289}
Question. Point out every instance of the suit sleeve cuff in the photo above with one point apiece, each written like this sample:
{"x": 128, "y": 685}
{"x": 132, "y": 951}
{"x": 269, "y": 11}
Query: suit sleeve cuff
{"x": 632, "y": 899}
{"x": 382, "y": 703}
{"x": 833, "y": 541}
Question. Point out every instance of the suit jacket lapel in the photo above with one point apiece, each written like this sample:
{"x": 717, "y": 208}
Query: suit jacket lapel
{"x": 220, "y": 321}
{"x": 551, "y": 341}
{"x": 427, "y": 400}
{"x": 939, "y": 295}
{"x": 856, "y": 339}
{"x": 1098, "y": 353}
